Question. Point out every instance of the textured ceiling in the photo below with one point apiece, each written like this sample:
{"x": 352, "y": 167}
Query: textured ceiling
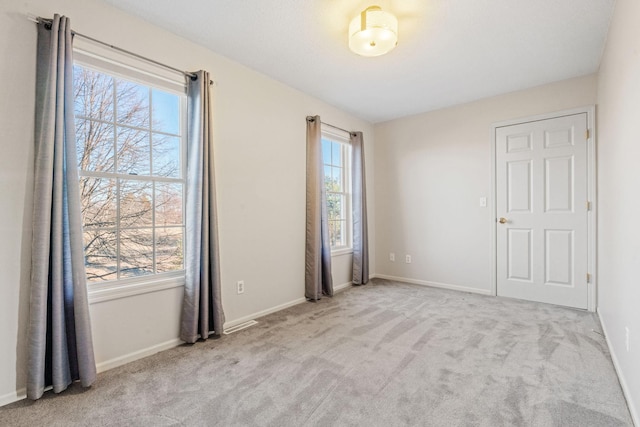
{"x": 449, "y": 51}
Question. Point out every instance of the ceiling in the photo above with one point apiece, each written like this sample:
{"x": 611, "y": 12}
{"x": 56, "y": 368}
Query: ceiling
{"x": 449, "y": 51}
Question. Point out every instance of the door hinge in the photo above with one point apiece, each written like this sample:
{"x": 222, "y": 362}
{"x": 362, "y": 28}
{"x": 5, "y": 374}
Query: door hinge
{"x": 588, "y": 205}
{"x": 587, "y": 134}
{"x": 588, "y": 277}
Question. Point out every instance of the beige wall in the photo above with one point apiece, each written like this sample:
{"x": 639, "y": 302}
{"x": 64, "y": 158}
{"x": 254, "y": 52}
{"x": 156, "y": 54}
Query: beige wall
{"x": 431, "y": 171}
{"x": 259, "y": 132}
{"x": 619, "y": 195}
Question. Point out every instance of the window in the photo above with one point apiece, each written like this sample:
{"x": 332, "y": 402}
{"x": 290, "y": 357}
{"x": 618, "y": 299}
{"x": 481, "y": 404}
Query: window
{"x": 130, "y": 147}
{"x": 336, "y": 155}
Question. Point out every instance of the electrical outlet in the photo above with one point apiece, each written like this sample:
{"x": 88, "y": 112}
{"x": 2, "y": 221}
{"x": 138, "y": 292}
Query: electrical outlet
{"x": 626, "y": 337}
{"x": 407, "y": 259}
{"x": 240, "y": 287}
{"x": 483, "y": 202}
{"x": 392, "y": 257}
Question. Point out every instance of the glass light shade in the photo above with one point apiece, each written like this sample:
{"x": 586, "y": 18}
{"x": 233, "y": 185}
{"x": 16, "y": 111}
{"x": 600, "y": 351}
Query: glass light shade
{"x": 373, "y": 32}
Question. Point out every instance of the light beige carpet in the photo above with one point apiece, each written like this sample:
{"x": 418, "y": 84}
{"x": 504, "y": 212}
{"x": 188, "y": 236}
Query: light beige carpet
{"x": 384, "y": 354}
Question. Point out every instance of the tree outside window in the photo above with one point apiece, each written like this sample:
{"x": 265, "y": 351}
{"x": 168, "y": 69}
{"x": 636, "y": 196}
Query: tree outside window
{"x": 129, "y": 147}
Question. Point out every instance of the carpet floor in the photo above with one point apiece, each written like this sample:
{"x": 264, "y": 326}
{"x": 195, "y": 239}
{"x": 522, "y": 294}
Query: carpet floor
{"x": 384, "y": 354}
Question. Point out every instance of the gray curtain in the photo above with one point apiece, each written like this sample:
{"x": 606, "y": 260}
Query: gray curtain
{"x": 318, "y": 279}
{"x": 202, "y": 312}
{"x": 359, "y": 203}
{"x": 60, "y": 345}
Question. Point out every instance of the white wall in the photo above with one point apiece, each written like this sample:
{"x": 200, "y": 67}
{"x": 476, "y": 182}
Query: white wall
{"x": 431, "y": 170}
{"x": 259, "y": 132}
{"x": 619, "y": 195}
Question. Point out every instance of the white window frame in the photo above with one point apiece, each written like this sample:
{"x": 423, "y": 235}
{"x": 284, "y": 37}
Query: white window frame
{"x": 342, "y": 138}
{"x": 123, "y": 67}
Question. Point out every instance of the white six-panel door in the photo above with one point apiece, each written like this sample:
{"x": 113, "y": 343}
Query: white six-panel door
{"x": 541, "y": 205}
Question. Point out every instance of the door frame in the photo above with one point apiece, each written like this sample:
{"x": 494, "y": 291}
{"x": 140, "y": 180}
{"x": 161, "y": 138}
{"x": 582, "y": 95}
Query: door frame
{"x": 590, "y": 111}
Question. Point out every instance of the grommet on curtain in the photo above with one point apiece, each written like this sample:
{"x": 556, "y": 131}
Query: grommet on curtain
{"x": 194, "y": 77}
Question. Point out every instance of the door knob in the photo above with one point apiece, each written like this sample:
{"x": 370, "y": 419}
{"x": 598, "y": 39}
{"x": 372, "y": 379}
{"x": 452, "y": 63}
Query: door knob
{"x": 502, "y": 220}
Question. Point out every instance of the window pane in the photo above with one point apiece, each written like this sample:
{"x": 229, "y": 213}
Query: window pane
{"x": 94, "y": 145}
{"x": 136, "y": 252}
{"x": 326, "y": 151}
{"x": 166, "y": 112}
{"x": 336, "y": 179}
{"x": 332, "y": 239}
{"x": 330, "y": 182}
{"x": 93, "y": 94}
{"x": 98, "y": 201}
{"x": 336, "y": 154}
{"x": 166, "y": 156}
{"x": 334, "y": 206}
{"x": 135, "y": 203}
{"x": 169, "y": 249}
{"x": 134, "y": 153}
{"x": 327, "y": 178}
{"x": 340, "y": 233}
{"x": 335, "y": 233}
{"x": 168, "y": 204}
{"x": 132, "y": 103}
{"x": 100, "y": 255}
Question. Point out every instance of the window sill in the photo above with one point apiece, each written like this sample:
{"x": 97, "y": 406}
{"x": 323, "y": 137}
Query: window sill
{"x": 101, "y": 292}
{"x": 340, "y": 252}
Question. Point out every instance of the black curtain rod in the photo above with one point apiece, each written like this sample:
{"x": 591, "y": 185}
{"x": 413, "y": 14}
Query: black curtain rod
{"x": 312, "y": 119}
{"x": 48, "y": 22}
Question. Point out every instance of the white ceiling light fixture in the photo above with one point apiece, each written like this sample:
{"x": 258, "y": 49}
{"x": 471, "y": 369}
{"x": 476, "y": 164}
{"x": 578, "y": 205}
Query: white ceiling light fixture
{"x": 374, "y": 32}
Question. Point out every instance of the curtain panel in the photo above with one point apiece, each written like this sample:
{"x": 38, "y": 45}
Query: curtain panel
{"x": 359, "y": 204}
{"x": 60, "y": 346}
{"x": 202, "y": 312}
{"x": 318, "y": 280}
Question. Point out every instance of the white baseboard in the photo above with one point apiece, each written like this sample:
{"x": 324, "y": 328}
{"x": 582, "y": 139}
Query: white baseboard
{"x": 342, "y": 287}
{"x": 122, "y": 360}
{"x": 262, "y": 313}
{"x": 14, "y": 396}
{"x": 621, "y": 378}
{"x": 434, "y": 284}
{"x": 104, "y": 366}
